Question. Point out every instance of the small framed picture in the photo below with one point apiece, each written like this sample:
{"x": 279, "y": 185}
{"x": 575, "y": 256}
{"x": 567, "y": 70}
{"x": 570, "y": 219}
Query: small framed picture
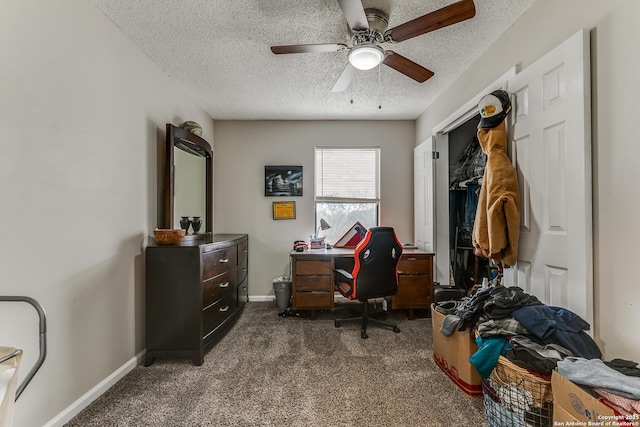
{"x": 284, "y": 210}
{"x": 283, "y": 181}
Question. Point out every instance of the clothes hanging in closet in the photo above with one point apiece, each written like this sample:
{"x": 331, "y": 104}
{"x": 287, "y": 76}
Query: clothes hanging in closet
{"x": 464, "y": 183}
{"x": 470, "y": 167}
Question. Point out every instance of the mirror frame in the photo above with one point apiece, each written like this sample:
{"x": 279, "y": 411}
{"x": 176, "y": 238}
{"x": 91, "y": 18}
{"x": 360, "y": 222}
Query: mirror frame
{"x": 182, "y": 139}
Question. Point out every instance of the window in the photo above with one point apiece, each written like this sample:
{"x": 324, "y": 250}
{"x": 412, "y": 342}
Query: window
{"x": 347, "y": 188}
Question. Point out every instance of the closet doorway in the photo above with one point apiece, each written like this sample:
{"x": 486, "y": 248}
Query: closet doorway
{"x": 549, "y": 134}
{"x": 466, "y": 169}
{"x": 452, "y": 137}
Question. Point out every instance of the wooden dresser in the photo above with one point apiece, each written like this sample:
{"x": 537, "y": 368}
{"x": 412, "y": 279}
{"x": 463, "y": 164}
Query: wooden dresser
{"x": 313, "y": 279}
{"x": 194, "y": 293}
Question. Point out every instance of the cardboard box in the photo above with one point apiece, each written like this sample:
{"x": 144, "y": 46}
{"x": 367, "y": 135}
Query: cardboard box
{"x": 573, "y": 403}
{"x": 562, "y": 417}
{"x": 452, "y": 353}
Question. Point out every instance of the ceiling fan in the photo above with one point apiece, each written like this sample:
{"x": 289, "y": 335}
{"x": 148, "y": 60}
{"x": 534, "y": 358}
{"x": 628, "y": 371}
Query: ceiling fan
{"x": 369, "y": 30}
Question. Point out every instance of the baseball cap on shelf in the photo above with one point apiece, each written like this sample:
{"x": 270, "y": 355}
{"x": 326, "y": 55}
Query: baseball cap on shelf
{"x": 494, "y": 108}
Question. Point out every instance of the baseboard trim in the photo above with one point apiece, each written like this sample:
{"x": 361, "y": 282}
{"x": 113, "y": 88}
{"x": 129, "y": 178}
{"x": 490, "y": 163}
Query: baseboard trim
{"x": 262, "y": 298}
{"x": 74, "y": 409}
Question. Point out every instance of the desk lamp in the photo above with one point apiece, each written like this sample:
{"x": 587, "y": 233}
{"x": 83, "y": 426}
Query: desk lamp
{"x": 323, "y": 226}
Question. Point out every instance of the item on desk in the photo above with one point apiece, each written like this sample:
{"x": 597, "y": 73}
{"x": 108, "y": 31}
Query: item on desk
{"x": 300, "y": 246}
{"x": 318, "y": 243}
{"x": 352, "y": 237}
{"x": 324, "y": 225}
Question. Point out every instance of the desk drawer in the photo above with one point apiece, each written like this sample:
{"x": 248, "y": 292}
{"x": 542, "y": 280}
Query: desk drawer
{"x": 216, "y": 262}
{"x": 414, "y": 265}
{"x": 313, "y": 267}
{"x": 313, "y": 300}
{"x": 414, "y": 291}
{"x": 313, "y": 284}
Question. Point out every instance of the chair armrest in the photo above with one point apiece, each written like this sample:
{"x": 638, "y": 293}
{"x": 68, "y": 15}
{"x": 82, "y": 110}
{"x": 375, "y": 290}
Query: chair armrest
{"x": 344, "y": 273}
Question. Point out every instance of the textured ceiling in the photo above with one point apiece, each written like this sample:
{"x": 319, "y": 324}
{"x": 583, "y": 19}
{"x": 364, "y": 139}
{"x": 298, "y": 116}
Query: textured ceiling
{"x": 219, "y": 52}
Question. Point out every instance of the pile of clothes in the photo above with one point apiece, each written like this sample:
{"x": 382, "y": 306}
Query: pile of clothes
{"x": 616, "y": 382}
{"x": 509, "y": 322}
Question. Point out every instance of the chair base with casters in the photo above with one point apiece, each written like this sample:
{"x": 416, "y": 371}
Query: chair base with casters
{"x": 374, "y": 275}
{"x": 366, "y": 318}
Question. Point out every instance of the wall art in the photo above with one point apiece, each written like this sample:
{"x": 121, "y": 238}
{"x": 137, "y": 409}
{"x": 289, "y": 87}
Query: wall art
{"x": 282, "y": 181}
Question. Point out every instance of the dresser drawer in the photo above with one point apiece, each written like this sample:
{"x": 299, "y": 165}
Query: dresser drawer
{"x": 313, "y": 300}
{"x": 414, "y": 265}
{"x": 314, "y": 284}
{"x": 313, "y": 267}
{"x": 214, "y": 315}
{"x": 243, "y": 261}
{"x": 217, "y": 287}
{"x": 243, "y": 252}
{"x": 242, "y": 273}
{"x": 216, "y": 262}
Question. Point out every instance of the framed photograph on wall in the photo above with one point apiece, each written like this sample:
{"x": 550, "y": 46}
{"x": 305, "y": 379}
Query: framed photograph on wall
{"x": 284, "y": 210}
{"x": 283, "y": 181}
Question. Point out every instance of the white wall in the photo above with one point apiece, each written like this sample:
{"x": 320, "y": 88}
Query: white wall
{"x": 243, "y": 148}
{"x": 82, "y": 113}
{"x": 615, "y": 67}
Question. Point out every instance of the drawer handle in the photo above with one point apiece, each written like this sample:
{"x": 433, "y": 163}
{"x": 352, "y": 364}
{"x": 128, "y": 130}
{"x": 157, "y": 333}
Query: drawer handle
{"x": 224, "y": 285}
{"x": 224, "y": 260}
{"x": 244, "y": 270}
{"x": 223, "y": 309}
{"x": 245, "y": 251}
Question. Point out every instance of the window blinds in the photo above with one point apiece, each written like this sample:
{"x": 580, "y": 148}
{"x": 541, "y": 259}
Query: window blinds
{"x": 348, "y": 173}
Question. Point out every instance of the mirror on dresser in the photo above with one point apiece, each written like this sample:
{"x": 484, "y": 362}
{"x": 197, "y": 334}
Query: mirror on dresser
{"x": 188, "y": 181}
{"x": 194, "y": 290}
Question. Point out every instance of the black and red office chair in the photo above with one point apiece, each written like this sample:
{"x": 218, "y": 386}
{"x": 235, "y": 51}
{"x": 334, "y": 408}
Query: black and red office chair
{"x": 375, "y": 274}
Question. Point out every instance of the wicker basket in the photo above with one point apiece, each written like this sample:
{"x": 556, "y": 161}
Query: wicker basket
{"x": 540, "y": 388}
{"x": 169, "y": 237}
{"x": 516, "y": 397}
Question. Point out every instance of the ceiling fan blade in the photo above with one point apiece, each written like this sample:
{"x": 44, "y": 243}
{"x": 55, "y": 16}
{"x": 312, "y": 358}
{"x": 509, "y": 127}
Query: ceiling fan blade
{"x": 354, "y": 14}
{"x": 407, "y": 67}
{"x": 309, "y": 48}
{"x": 448, "y": 15}
{"x": 344, "y": 80}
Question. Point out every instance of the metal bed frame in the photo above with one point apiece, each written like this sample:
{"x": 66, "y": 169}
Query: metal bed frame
{"x": 43, "y": 340}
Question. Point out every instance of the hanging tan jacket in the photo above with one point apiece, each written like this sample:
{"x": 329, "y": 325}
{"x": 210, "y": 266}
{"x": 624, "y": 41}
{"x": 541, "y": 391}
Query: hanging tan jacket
{"x": 497, "y": 225}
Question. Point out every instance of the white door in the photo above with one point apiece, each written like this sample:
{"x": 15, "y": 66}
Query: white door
{"x": 423, "y": 195}
{"x": 443, "y": 270}
{"x": 551, "y": 148}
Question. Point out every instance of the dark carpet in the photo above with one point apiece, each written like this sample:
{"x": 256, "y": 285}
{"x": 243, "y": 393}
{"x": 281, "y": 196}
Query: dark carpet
{"x": 289, "y": 371}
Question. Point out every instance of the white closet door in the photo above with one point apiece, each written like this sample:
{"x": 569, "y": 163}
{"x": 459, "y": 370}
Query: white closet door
{"x": 423, "y": 195}
{"x": 551, "y": 148}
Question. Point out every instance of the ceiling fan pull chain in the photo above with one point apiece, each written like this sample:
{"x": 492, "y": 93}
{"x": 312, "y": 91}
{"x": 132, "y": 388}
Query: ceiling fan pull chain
{"x": 379, "y": 88}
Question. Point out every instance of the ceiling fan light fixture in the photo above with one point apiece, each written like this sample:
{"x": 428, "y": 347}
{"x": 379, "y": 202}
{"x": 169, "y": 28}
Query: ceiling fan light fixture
{"x": 366, "y": 57}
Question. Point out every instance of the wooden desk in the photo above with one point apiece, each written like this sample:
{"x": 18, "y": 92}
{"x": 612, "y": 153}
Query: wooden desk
{"x": 313, "y": 282}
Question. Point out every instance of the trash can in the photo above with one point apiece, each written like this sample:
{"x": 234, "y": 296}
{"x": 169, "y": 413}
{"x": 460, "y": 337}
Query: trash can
{"x": 282, "y": 289}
